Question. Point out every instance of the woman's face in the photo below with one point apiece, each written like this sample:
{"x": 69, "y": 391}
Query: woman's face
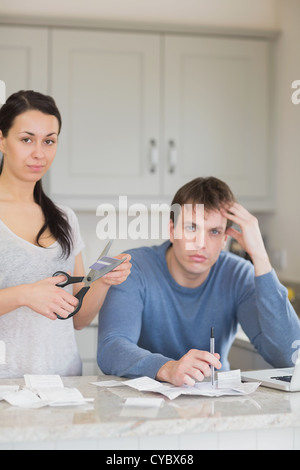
{"x": 30, "y": 145}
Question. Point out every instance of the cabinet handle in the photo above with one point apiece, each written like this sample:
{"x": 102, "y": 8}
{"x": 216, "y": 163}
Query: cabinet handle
{"x": 172, "y": 156}
{"x": 154, "y": 156}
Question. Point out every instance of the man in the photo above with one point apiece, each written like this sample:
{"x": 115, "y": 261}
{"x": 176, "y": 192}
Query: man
{"x": 158, "y": 322}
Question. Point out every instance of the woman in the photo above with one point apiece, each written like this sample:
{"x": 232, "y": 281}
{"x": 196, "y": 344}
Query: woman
{"x": 38, "y": 238}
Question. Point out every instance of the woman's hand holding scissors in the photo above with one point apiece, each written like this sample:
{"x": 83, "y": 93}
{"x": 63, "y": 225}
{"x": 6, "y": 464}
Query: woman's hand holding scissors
{"x": 47, "y": 299}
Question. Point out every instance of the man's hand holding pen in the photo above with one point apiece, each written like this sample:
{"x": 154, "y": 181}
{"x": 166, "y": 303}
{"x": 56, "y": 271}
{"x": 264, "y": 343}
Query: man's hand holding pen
{"x": 191, "y": 368}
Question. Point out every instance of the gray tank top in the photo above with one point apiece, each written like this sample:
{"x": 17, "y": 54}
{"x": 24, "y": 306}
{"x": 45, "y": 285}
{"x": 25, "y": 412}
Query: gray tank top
{"x": 32, "y": 343}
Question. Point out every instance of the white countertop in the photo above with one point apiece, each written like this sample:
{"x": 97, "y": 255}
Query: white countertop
{"x": 107, "y": 417}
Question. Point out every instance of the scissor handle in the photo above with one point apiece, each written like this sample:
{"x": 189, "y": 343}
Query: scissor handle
{"x": 80, "y": 297}
{"x": 69, "y": 279}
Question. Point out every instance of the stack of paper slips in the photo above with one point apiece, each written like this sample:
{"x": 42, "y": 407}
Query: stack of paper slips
{"x": 43, "y": 390}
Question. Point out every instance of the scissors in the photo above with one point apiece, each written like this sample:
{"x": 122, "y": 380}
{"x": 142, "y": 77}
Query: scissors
{"x": 102, "y": 266}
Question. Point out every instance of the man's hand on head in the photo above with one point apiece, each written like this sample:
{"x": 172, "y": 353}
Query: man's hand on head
{"x": 249, "y": 237}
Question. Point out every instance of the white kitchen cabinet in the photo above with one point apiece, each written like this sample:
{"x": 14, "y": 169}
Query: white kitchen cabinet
{"x": 107, "y": 86}
{"x": 216, "y": 113}
{"x": 145, "y": 113}
{"x": 24, "y": 58}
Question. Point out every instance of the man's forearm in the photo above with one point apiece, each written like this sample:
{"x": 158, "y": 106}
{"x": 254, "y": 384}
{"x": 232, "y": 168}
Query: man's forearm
{"x": 262, "y": 264}
{"x": 120, "y": 357}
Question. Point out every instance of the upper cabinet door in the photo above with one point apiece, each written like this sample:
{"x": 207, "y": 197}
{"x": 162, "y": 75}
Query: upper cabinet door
{"x": 107, "y": 88}
{"x": 216, "y": 118}
{"x": 23, "y": 58}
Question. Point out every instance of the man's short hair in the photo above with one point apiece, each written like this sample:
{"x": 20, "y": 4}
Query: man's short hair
{"x": 213, "y": 193}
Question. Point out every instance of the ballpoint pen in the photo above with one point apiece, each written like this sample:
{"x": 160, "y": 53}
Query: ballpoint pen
{"x": 212, "y": 351}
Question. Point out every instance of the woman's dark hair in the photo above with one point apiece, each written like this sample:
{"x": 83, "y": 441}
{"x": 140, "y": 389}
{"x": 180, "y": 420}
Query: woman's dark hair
{"x": 55, "y": 219}
{"x": 213, "y": 193}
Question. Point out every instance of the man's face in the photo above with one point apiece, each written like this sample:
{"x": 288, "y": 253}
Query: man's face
{"x": 198, "y": 239}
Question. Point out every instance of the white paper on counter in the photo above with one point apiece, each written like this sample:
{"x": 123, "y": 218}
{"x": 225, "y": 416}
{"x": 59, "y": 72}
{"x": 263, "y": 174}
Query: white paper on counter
{"x": 37, "y": 382}
{"x": 205, "y": 389}
{"x": 200, "y": 389}
{"x": 108, "y": 384}
{"x": 143, "y": 384}
{"x": 63, "y": 397}
{"x": 25, "y": 399}
{"x": 7, "y": 390}
{"x": 144, "y": 402}
{"x": 52, "y": 397}
{"x": 45, "y": 390}
{"x": 229, "y": 379}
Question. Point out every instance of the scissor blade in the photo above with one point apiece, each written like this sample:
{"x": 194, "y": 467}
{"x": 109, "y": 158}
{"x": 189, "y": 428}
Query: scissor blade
{"x": 106, "y": 249}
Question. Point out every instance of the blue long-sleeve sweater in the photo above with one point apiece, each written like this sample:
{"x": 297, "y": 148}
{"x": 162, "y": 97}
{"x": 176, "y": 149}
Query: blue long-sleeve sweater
{"x": 150, "y": 319}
